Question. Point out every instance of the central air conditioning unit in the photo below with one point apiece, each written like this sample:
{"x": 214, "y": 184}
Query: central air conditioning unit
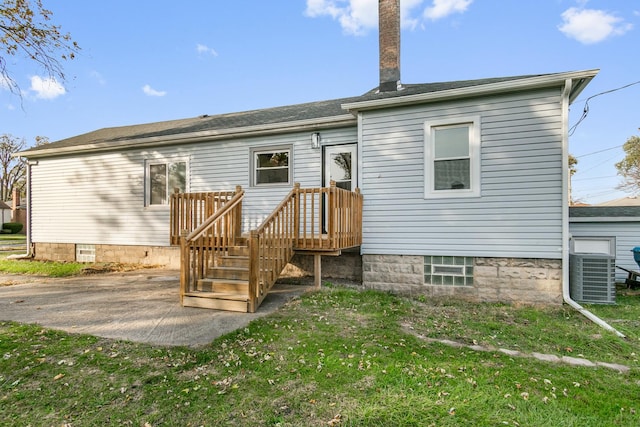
{"x": 592, "y": 278}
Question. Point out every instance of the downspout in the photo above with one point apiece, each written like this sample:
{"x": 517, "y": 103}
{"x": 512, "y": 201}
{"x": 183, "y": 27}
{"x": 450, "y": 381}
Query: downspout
{"x": 29, "y": 253}
{"x": 565, "y": 217}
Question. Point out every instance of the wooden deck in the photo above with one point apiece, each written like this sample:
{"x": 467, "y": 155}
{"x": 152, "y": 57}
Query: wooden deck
{"x": 221, "y": 268}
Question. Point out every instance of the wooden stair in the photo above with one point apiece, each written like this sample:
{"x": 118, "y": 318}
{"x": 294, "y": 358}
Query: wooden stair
{"x": 226, "y": 285}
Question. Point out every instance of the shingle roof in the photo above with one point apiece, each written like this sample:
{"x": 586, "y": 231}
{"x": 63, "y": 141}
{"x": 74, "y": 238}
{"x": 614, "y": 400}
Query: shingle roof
{"x": 263, "y": 117}
{"x": 604, "y": 211}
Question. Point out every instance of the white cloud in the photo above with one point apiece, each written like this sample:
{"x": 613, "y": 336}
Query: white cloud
{"x": 590, "y": 26}
{"x": 4, "y": 83}
{"x": 205, "y": 50}
{"x": 356, "y": 17}
{"x": 101, "y": 80}
{"x": 148, "y": 90}
{"x": 47, "y": 88}
{"x": 444, "y": 8}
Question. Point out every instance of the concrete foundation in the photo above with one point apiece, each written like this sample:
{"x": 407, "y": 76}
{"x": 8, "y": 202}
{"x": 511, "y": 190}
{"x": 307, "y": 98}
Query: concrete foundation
{"x": 347, "y": 266}
{"x": 513, "y": 280}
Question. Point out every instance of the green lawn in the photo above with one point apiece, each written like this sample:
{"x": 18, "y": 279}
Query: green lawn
{"x": 12, "y": 239}
{"x": 337, "y": 357}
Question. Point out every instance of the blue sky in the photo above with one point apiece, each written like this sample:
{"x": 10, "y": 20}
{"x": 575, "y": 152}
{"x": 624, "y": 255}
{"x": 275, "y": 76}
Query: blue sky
{"x": 145, "y": 61}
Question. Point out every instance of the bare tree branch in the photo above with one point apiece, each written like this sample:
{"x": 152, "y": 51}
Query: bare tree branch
{"x": 25, "y": 30}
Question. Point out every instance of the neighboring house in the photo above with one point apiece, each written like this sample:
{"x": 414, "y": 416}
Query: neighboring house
{"x": 610, "y": 230}
{"x": 464, "y": 182}
{"x": 623, "y": 201}
{"x": 6, "y": 212}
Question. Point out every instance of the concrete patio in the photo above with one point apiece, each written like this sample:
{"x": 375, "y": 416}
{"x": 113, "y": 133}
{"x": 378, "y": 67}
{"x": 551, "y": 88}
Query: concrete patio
{"x": 140, "y": 306}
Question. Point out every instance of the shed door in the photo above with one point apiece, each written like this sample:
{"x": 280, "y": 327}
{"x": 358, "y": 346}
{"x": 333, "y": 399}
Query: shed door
{"x": 341, "y": 166}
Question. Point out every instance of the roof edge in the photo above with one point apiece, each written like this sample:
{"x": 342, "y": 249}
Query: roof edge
{"x": 211, "y": 135}
{"x": 604, "y": 219}
{"x": 582, "y": 78}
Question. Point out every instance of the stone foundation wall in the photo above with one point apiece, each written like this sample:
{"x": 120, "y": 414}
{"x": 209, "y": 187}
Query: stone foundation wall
{"x": 165, "y": 256}
{"x": 55, "y": 251}
{"x": 347, "y": 266}
{"x": 513, "y": 280}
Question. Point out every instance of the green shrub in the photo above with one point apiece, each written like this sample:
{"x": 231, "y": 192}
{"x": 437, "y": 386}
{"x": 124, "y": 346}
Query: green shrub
{"x": 15, "y": 227}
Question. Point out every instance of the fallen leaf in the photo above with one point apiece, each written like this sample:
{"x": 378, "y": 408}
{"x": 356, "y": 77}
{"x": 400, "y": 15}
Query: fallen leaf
{"x": 57, "y": 377}
{"x": 335, "y": 421}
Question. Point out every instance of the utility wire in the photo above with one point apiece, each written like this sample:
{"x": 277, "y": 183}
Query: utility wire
{"x": 585, "y": 111}
{"x": 598, "y": 152}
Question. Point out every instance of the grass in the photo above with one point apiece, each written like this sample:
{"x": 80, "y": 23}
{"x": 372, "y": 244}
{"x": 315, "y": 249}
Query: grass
{"x": 337, "y": 357}
{"x": 12, "y": 238}
{"x": 41, "y": 268}
{"x": 59, "y": 269}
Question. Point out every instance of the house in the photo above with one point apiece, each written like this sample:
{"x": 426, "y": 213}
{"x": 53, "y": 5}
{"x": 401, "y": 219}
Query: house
{"x": 464, "y": 182}
{"x": 6, "y": 212}
{"x": 608, "y": 230}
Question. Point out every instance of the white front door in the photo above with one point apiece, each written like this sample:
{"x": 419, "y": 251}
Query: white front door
{"x": 341, "y": 166}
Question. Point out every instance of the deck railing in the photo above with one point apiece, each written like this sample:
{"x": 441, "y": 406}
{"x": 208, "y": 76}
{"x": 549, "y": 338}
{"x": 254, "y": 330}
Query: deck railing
{"x": 330, "y": 219}
{"x": 189, "y": 210}
{"x": 314, "y": 220}
{"x": 216, "y": 233}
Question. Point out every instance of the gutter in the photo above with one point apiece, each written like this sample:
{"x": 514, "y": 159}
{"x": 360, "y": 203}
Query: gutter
{"x": 29, "y": 253}
{"x": 566, "y": 93}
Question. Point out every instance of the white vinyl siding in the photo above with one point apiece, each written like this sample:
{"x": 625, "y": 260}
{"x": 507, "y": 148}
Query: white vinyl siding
{"x": 518, "y": 213}
{"x": 99, "y": 198}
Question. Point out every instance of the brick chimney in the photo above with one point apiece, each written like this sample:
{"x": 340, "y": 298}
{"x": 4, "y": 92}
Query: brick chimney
{"x": 389, "y": 33}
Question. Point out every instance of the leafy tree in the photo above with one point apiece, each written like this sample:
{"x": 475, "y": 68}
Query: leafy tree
{"x": 13, "y": 169}
{"x": 25, "y": 30}
{"x": 573, "y": 162}
{"x": 629, "y": 167}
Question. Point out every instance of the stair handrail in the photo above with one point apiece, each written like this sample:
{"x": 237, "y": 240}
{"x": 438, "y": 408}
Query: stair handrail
{"x": 198, "y": 266}
{"x": 199, "y": 230}
{"x": 261, "y": 275}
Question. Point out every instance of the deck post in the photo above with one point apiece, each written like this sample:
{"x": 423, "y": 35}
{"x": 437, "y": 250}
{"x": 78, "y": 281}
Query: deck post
{"x": 254, "y": 270}
{"x": 184, "y": 265}
{"x": 331, "y": 215}
{"x": 317, "y": 270}
{"x": 296, "y": 214}
{"x": 237, "y": 220}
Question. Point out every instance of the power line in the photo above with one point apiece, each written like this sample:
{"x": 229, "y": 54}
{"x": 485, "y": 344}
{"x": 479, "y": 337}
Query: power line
{"x": 585, "y": 111}
{"x": 598, "y": 152}
{"x": 592, "y": 178}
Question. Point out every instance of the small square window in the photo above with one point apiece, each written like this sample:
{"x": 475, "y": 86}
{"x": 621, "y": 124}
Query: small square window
{"x": 448, "y": 270}
{"x": 164, "y": 178}
{"x": 271, "y": 167}
{"x": 85, "y": 253}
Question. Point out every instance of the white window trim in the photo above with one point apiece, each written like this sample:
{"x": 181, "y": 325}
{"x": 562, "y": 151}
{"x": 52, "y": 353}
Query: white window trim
{"x": 147, "y": 179}
{"x": 474, "y": 157}
{"x": 271, "y": 149}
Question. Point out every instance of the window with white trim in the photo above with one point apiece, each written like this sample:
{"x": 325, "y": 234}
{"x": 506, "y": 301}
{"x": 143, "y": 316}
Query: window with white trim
{"x": 164, "y": 177}
{"x": 452, "y": 158}
{"x": 271, "y": 166}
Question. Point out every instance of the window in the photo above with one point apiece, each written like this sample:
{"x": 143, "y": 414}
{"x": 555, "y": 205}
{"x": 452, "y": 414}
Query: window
{"x": 448, "y": 270}
{"x": 272, "y": 166}
{"x": 163, "y": 177}
{"x": 452, "y": 158}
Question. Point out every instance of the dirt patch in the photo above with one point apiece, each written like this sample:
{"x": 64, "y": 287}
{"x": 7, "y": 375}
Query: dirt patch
{"x": 114, "y": 268}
